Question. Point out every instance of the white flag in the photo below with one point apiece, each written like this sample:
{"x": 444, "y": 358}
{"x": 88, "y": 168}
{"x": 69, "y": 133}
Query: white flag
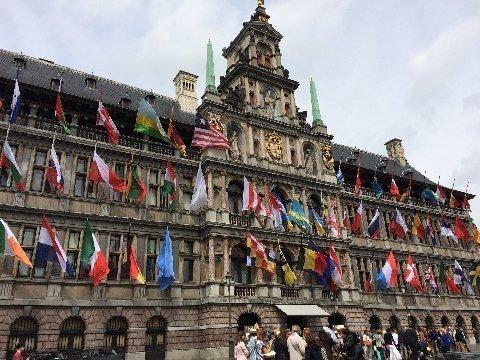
{"x": 199, "y": 197}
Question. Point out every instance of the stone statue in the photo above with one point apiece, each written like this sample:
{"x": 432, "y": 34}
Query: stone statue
{"x": 235, "y": 98}
{"x": 327, "y": 157}
{"x": 260, "y": 2}
{"x": 234, "y": 148}
{"x": 309, "y": 163}
{"x": 270, "y": 100}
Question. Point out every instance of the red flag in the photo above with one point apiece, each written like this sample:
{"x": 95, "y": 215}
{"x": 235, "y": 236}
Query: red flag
{"x": 176, "y": 139}
{"x": 411, "y": 275}
{"x": 451, "y": 286}
{"x": 104, "y": 118}
{"x": 358, "y": 182}
{"x": 357, "y": 221}
{"x": 460, "y": 230}
{"x": 346, "y": 221}
{"x": 100, "y": 172}
{"x": 367, "y": 284}
{"x": 394, "y": 189}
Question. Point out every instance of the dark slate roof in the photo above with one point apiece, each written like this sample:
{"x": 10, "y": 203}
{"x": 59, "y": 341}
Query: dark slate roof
{"x": 39, "y": 72}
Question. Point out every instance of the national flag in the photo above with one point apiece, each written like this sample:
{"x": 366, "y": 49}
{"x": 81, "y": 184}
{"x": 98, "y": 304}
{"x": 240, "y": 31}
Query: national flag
{"x": 406, "y": 195}
{"x": 460, "y": 230}
{"x": 394, "y": 191}
{"x": 258, "y": 251}
{"x": 398, "y": 225}
{"x": 298, "y": 217}
{"x": 446, "y": 231}
{"x": 430, "y": 278}
{"x": 429, "y": 196}
{"x": 453, "y": 202}
{"x": 254, "y": 203}
{"x": 166, "y": 274}
{"x": 357, "y": 221}
{"x": 148, "y": 122}
{"x": 346, "y": 221}
{"x": 377, "y": 189}
{"x": 135, "y": 273}
{"x": 9, "y": 245}
{"x": 100, "y": 172}
{"x": 358, "y": 182}
{"x": 332, "y": 223}
{"x": 16, "y": 103}
{"x": 176, "y": 139}
{"x": 417, "y": 228}
{"x": 279, "y": 214}
{"x": 288, "y": 274}
{"x": 429, "y": 230}
{"x": 93, "y": 257}
{"x": 374, "y": 226}
{"x": 336, "y": 274}
{"x": 411, "y": 275}
{"x": 169, "y": 186}
{"x": 54, "y": 171}
{"x": 199, "y": 197}
{"x": 49, "y": 248}
{"x": 441, "y": 195}
{"x": 104, "y": 119}
{"x": 387, "y": 277}
{"x": 7, "y": 161}
{"x": 447, "y": 279}
{"x": 460, "y": 278}
{"x": 315, "y": 261}
{"x": 207, "y": 136}
{"x": 318, "y": 223}
{"x": 136, "y": 187}
{"x": 60, "y": 115}
{"x": 339, "y": 175}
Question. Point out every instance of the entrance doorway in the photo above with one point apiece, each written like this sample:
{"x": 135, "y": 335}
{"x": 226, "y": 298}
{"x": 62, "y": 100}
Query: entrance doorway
{"x": 247, "y": 320}
{"x": 296, "y": 320}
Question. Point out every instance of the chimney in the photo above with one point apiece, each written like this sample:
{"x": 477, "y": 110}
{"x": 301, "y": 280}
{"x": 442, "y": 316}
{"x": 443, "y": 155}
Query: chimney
{"x": 186, "y": 91}
{"x": 395, "y": 151}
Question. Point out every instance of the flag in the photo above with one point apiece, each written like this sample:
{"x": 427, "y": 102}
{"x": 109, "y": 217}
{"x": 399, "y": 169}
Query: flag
{"x": 447, "y": 280}
{"x": 169, "y": 186}
{"x": 288, "y": 274}
{"x": 358, "y": 182}
{"x": 339, "y": 175}
{"x": 460, "y": 278}
{"x": 136, "y": 187}
{"x": 257, "y": 251}
{"x": 54, "y": 172}
{"x": 199, "y": 197}
{"x": 475, "y": 274}
{"x": 428, "y": 196}
{"x": 49, "y": 248}
{"x": 207, "y": 136}
{"x": 357, "y": 221}
{"x": 93, "y": 256}
{"x": 16, "y": 103}
{"x": 394, "y": 191}
{"x": 398, "y": 225}
{"x": 59, "y": 114}
{"x": 332, "y": 223}
{"x": 176, "y": 139}
{"x": 104, "y": 119}
{"x": 166, "y": 274}
{"x": 460, "y": 230}
{"x": 314, "y": 260}
{"x": 430, "y": 232}
{"x": 336, "y": 274}
{"x": 411, "y": 275}
{"x": 7, "y": 161}
{"x": 406, "y": 195}
{"x": 374, "y": 226}
{"x": 10, "y": 246}
{"x": 253, "y": 202}
{"x": 453, "y": 202}
{"x": 377, "y": 189}
{"x": 446, "y": 231}
{"x": 441, "y": 195}
{"x": 135, "y": 273}
{"x": 318, "y": 223}
{"x": 430, "y": 278}
{"x": 387, "y": 277}
{"x": 297, "y": 216}
{"x": 417, "y": 228}
{"x": 100, "y": 172}
{"x": 368, "y": 284}
{"x": 279, "y": 214}
{"x": 346, "y": 221}
{"x": 148, "y": 122}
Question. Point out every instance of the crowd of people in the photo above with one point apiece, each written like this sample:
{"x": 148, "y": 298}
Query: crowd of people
{"x": 340, "y": 343}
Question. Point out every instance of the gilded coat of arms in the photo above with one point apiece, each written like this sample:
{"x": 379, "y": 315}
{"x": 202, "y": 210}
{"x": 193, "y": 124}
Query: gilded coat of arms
{"x": 216, "y": 120}
{"x": 274, "y": 146}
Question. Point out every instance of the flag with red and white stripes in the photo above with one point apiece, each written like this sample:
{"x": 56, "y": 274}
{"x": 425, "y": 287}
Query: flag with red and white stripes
{"x": 206, "y": 135}
{"x": 253, "y": 202}
{"x": 104, "y": 119}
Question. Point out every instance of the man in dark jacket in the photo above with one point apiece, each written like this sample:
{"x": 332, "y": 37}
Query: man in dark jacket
{"x": 352, "y": 346}
{"x": 411, "y": 341}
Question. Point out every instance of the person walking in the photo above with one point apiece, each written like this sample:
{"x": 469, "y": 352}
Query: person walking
{"x": 296, "y": 345}
{"x": 411, "y": 341}
{"x": 461, "y": 339}
{"x": 378, "y": 343}
{"x": 367, "y": 345}
{"x": 240, "y": 351}
{"x": 279, "y": 344}
{"x": 254, "y": 346}
{"x": 352, "y": 346}
{"x": 315, "y": 349}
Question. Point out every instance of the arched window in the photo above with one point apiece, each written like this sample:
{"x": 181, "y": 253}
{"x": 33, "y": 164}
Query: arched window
{"x": 156, "y": 336}
{"x": 241, "y": 273}
{"x": 72, "y": 335}
{"x": 475, "y": 328}
{"x": 116, "y": 334}
{"x": 23, "y": 331}
{"x": 247, "y": 320}
{"x": 429, "y": 322}
{"x": 460, "y": 321}
{"x": 445, "y": 321}
{"x": 375, "y": 323}
{"x": 235, "y": 199}
{"x": 252, "y": 99}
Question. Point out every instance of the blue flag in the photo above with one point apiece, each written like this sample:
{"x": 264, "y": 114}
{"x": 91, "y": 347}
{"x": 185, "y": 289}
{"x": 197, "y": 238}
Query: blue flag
{"x": 377, "y": 189}
{"x": 429, "y": 196}
{"x": 166, "y": 275}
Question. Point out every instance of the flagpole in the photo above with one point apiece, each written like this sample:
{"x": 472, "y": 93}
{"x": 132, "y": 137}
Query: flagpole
{"x": 8, "y": 132}
{"x": 53, "y": 141}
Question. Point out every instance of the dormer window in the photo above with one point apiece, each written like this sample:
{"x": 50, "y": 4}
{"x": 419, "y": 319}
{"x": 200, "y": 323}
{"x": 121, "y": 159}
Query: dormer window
{"x": 55, "y": 84}
{"x": 150, "y": 99}
{"x": 91, "y": 83}
{"x": 20, "y": 63}
{"x": 125, "y": 103}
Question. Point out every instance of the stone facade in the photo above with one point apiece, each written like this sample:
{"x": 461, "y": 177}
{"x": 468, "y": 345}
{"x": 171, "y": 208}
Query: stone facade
{"x": 271, "y": 144}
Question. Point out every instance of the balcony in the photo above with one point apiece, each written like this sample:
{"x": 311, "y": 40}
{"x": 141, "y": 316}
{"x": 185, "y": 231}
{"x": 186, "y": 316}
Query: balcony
{"x": 289, "y": 292}
{"x": 240, "y": 220}
{"x": 244, "y": 291}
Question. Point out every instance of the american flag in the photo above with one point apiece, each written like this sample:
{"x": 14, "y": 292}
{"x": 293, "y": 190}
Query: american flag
{"x": 207, "y": 136}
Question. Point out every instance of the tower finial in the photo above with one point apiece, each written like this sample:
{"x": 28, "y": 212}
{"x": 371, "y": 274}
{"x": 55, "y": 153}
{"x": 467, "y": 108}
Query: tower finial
{"x": 210, "y": 70}
{"x": 261, "y": 2}
{"x": 316, "y": 117}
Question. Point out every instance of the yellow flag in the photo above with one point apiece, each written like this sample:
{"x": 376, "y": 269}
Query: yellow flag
{"x": 289, "y": 275}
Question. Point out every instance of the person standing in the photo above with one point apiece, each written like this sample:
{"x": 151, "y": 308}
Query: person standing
{"x": 254, "y": 346}
{"x": 367, "y": 345}
{"x": 280, "y": 345}
{"x": 19, "y": 353}
{"x": 461, "y": 339}
{"x": 411, "y": 341}
{"x": 240, "y": 351}
{"x": 352, "y": 346}
{"x": 315, "y": 349}
{"x": 378, "y": 342}
{"x": 296, "y": 345}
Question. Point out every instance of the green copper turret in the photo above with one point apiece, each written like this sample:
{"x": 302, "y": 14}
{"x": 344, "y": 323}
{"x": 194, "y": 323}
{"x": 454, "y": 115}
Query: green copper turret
{"x": 210, "y": 70}
{"x": 317, "y": 118}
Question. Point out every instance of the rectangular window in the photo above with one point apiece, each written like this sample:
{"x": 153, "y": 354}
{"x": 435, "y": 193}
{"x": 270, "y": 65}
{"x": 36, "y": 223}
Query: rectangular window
{"x": 188, "y": 261}
{"x": 153, "y": 187}
{"x": 114, "y": 256}
{"x": 187, "y": 200}
{"x": 73, "y": 250}
{"x": 152, "y": 251}
{"x": 28, "y": 243}
{"x": 80, "y": 177}
{"x": 39, "y": 168}
{"x": 125, "y": 260}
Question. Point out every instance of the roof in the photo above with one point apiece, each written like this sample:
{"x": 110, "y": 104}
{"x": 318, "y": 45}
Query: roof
{"x": 39, "y": 72}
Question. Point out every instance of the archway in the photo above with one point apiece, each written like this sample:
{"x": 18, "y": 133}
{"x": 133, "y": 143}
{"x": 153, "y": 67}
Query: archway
{"x": 336, "y": 319}
{"x": 235, "y": 197}
{"x": 116, "y": 334}
{"x": 375, "y": 323}
{"x": 429, "y": 322}
{"x": 156, "y": 338}
{"x": 460, "y": 321}
{"x": 72, "y": 336}
{"x": 240, "y": 272}
{"x": 23, "y": 331}
{"x": 445, "y": 321}
{"x": 247, "y": 320}
{"x": 475, "y": 328}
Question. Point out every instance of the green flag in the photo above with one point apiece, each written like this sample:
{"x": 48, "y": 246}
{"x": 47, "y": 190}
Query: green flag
{"x": 136, "y": 187}
{"x": 88, "y": 246}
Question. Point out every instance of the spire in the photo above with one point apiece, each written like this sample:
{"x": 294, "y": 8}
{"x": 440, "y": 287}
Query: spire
{"x": 210, "y": 71}
{"x": 316, "y": 117}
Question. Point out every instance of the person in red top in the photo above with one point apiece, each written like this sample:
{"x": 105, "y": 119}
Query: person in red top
{"x": 19, "y": 353}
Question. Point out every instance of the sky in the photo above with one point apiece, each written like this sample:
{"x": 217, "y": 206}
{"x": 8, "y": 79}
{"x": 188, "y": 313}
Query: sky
{"x": 384, "y": 68}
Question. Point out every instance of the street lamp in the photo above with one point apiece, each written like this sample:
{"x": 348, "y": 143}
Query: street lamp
{"x": 228, "y": 281}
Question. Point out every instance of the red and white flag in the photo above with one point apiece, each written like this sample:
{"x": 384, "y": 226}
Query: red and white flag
{"x": 253, "y": 202}
{"x": 54, "y": 171}
{"x": 346, "y": 221}
{"x": 104, "y": 119}
{"x": 358, "y": 182}
{"x": 206, "y": 135}
{"x": 357, "y": 221}
{"x": 100, "y": 172}
{"x": 394, "y": 191}
{"x": 332, "y": 223}
{"x": 411, "y": 275}
{"x": 398, "y": 225}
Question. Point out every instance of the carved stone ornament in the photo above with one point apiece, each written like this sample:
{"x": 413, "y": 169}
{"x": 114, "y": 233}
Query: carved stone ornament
{"x": 327, "y": 157}
{"x": 234, "y": 148}
{"x": 216, "y": 120}
{"x": 274, "y": 146}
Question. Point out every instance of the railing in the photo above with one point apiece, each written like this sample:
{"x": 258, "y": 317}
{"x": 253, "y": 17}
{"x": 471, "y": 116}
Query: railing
{"x": 288, "y": 292}
{"x": 328, "y": 295}
{"x": 240, "y": 220}
{"x": 244, "y": 291}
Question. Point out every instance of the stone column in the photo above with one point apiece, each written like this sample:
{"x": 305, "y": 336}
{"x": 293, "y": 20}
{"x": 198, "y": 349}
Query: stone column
{"x": 282, "y": 101}
{"x": 293, "y": 104}
{"x": 287, "y": 148}
{"x": 263, "y": 152}
{"x": 356, "y": 275}
{"x": 383, "y": 231}
{"x": 348, "y": 263}
{"x": 224, "y": 194}
{"x": 257, "y": 93}
{"x": 304, "y": 200}
{"x": 211, "y": 259}
{"x": 210, "y": 189}
{"x": 226, "y": 258}
{"x": 299, "y": 153}
{"x": 251, "y": 151}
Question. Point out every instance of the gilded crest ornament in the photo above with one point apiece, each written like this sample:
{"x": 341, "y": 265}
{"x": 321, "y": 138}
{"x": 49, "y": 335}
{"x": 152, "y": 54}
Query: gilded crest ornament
{"x": 327, "y": 157}
{"x": 216, "y": 120}
{"x": 274, "y": 146}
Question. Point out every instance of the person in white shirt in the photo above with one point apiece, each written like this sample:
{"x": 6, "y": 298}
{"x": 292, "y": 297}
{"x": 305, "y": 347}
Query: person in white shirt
{"x": 296, "y": 344}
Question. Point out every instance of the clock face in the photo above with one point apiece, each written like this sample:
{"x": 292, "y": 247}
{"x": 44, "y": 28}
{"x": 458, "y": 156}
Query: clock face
{"x": 274, "y": 146}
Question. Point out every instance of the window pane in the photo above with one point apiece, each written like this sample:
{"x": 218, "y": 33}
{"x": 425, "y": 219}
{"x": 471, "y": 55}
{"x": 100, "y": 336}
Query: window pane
{"x": 152, "y": 246}
{"x": 187, "y": 199}
{"x": 152, "y": 196}
{"x": 79, "y": 188}
{"x": 74, "y": 240}
{"x": 28, "y": 237}
{"x": 113, "y": 266}
{"x": 81, "y": 165}
{"x": 22, "y": 269}
{"x": 40, "y": 158}
{"x": 187, "y": 270}
{"x": 114, "y": 243}
{"x": 72, "y": 260}
{"x": 188, "y": 247}
{"x": 56, "y": 270}
{"x": 37, "y": 180}
{"x": 4, "y": 178}
{"x": 153, "y": 177}
{"x": 150, "y": 273}
{"x": 120, "y": 170}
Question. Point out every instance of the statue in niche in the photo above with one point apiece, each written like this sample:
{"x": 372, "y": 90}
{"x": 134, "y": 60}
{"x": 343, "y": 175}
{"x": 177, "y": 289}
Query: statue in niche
{"x": 327, "y": 157}
{"x": 309, "y": 163}
{"x": 234, "y": 148}
{"x": 271, "y": 101}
